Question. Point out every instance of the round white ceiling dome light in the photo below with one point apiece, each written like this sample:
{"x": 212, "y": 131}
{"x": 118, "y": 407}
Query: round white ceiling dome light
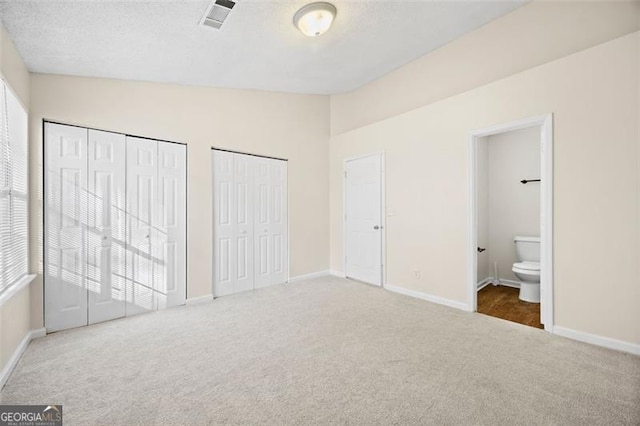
{"x": 315, "y": 19}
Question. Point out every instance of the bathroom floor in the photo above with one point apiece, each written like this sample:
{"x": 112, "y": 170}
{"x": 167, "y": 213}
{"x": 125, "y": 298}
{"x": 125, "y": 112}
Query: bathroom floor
{"x": 502, "y": 302}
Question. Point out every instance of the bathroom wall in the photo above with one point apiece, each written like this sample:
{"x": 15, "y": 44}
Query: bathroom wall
{"x": 513, "y": 208}
{"x": 482, "y": 186}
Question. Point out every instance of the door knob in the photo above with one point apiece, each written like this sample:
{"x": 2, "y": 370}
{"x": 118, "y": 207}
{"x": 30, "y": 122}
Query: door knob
{"x": 481, "y": 249}
{"x": 376, "y": 227}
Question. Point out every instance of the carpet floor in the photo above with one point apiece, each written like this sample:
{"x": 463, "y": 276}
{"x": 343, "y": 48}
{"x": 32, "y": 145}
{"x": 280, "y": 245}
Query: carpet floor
{"x": 324, "y": 351}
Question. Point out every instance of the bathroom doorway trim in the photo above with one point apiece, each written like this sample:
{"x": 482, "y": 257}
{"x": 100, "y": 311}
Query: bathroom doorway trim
{"x": 545, "y": 122}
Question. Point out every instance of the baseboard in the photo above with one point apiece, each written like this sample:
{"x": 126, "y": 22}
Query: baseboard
{"x": 17, "y": 354}
{"x": 509, "y": 283}
{"x": 594, "y": 339}
{"x": 309, "y": 276}
{"x": 200, "y": 299}
{"x": 428, "y": 297}
{"x": 482, "y": 284}
{"x": 338, "y": 274}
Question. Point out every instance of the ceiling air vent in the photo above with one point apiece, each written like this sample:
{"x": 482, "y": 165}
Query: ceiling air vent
{"x": 217, "y": 12}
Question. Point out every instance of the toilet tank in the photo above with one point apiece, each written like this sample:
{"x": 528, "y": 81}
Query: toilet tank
{"x": 527, "y": 248}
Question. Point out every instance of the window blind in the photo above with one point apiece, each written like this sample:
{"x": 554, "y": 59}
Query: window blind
{"x": 14, "y": 202}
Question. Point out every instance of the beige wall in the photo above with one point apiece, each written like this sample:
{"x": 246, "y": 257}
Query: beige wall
{"x": 14, "y": 313}
{"x": 593, "y": 95}
{"x": 513, "y": 208}
{"x": 532, "y": 35}
{"x": 282, "y": 125}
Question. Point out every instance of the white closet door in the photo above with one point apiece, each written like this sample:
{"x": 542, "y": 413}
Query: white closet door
{"x": 65, "y": 226}
{"x": 233, "y": 222}
{"x": 242, "y": 245}
{"x": 142, "y": 183}
{"x": 106, "y": 234}
{"x": 223, "y": 229}
{"x": 270, "y": 216}
{"x": 169, "y": 239}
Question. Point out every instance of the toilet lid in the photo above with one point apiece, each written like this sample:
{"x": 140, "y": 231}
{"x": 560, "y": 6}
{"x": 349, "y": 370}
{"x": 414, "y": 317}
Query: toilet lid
{"x": 528, "y": 266}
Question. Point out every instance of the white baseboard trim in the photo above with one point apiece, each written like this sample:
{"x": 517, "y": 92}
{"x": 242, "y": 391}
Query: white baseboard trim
{"x": 309, "y": 276}
{"x": 509, "y": 283}
{"x": 17, "y": 354}
{"x": 428, "y": 297}
{"x": 200, "y": 299}
{"x": 482, "y": 284}
{"x": 337, "y": 273}
{"x": 594, "y": 339}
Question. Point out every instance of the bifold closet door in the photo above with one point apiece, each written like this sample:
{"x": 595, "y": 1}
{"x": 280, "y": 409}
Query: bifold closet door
{"x": 250, "y": 247}
{"x": 156, "y": 208}
{"x": 169, "y": 245}
{"x": 233, "y": 223}
{"x": 270, "y": 219}
{"x": 65, "y": 226}
{"x": 115, "y": 225}
{"x": 106, "y": 233}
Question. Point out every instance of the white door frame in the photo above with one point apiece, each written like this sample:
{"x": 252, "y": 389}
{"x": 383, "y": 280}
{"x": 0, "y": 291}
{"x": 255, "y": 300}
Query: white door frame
{"x": 545, "y": 122}
{"x": 383, "y": 213}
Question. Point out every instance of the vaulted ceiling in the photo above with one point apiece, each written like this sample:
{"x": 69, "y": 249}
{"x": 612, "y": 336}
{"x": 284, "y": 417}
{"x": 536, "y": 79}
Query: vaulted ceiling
{"x": 258, "y": 46}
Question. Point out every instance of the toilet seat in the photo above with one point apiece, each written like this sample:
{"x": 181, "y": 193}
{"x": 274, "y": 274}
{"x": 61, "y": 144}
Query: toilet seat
{"x": 529, "y": 267}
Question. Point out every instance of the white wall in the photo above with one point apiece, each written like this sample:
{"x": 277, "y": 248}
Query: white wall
{"x": 294, "y": 127}
{"x": 532, "y": 35}
{"x": 14, "y": 313}
{"x": 593, "y": 95}
{"x": 513, "y": 208}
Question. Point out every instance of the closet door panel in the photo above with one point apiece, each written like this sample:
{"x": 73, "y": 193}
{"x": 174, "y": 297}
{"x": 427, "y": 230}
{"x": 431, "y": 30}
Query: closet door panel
{"x": 279, "y": 223}
{"x": 271, "y": 233}
{"x": 142, "y": 180}
{"x": 65, "y": 226}
{"x": 262, "y": 218}
{"x": 169, "y": 231}
{"x": 224, "y": 211}
{"x": 106, "y": 233}
{"x": 242, "y": 272}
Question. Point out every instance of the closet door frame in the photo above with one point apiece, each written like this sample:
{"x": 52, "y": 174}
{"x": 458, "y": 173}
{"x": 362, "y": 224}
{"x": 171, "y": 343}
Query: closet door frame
{"x": 213, "y": 242}
{"x": 43, "y": 207}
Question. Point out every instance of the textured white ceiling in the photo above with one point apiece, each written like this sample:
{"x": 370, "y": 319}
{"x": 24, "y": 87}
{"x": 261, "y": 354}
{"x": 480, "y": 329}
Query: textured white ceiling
{"x": 258, "y": 47}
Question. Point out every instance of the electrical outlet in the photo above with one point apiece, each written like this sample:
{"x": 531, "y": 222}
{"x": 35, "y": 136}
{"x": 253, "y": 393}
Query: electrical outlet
{"x": 417, "y": 275}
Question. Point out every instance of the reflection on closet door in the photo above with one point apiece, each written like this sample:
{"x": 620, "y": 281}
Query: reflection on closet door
{"x": 106, "y": 226}
{"x": 270, "y": 219}
{"x": 65, "y": 226}
{"x": 142, "y": 177}
{"x": 169, "y": 226}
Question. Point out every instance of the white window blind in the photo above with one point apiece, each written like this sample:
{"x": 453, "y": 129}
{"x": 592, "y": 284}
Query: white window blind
{"x": 14, "y": 210}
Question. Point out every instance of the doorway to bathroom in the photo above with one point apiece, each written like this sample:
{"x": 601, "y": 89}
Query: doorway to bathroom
{"x": 510, "y": 259}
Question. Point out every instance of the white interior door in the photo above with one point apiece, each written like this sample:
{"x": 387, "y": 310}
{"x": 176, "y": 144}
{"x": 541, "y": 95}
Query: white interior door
{"x": 270, "y": 218}
{"x": 169, "y": 239}
{"x": 363, "y": 209}
{"x": 223, "y": 229}
{"x": 250, "y": 225}
{"x": 65, "y": 226}
{"x": 242, "y": 244}
{"x": 106, "y": 233}
{"x": 142, "y": 183}
{"x": 233, "y": 222}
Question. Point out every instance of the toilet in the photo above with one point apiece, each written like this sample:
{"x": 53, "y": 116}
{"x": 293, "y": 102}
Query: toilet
{"x": 527, "y": 269}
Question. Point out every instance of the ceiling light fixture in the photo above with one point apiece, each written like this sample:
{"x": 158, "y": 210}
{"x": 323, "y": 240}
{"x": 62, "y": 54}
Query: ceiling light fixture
{"x": 315, "y": 19}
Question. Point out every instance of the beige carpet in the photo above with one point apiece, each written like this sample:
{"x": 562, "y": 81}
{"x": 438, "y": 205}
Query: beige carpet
{"x": 324, "y": 351}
